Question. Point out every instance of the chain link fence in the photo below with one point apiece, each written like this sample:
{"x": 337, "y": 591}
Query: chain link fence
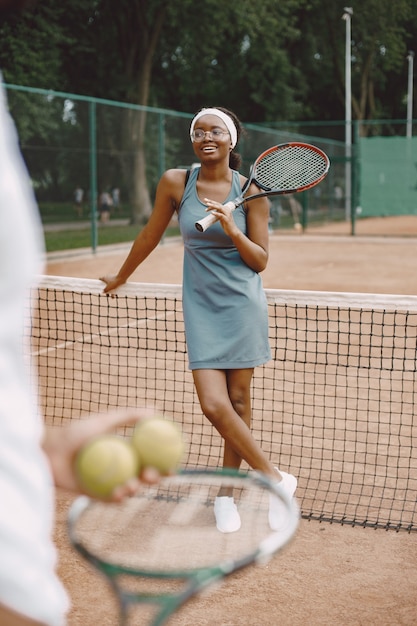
{"x": 79, "y": 148}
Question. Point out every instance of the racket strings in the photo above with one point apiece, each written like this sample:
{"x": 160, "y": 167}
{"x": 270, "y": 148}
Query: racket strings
{"x": 172, "y": 530}
{"x": 290, "y": 168}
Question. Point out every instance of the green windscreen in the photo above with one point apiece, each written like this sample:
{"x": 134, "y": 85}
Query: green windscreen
{"x": 388, "y": 176}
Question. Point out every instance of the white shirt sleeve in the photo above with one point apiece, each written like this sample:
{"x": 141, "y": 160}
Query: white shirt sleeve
{"x": 28, "y": 580}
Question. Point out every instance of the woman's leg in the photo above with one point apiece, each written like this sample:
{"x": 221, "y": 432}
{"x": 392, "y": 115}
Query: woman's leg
{"x": 225, "y": 400}
{"x": 224, "y": 396}
{"x": 238, "y": 386}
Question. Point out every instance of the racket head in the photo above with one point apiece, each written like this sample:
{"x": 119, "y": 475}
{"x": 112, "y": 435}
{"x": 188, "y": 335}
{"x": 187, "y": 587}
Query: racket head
{"x": 290, "y": 168}
{"x": 283, "y": 169}
{"x": 168, "y": 530}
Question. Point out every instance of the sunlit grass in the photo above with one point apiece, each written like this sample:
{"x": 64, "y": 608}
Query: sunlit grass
{"x": 82, "y": 238}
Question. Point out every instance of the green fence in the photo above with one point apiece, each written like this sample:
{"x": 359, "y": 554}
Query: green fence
{"x": 73, "y": 142}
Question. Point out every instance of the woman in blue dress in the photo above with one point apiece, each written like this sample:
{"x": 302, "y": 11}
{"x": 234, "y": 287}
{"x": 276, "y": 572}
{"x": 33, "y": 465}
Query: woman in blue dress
{"x": 225, "y": 309}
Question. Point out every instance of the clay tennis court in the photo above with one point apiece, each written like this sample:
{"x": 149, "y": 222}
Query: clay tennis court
{"x": 330, "y": 574}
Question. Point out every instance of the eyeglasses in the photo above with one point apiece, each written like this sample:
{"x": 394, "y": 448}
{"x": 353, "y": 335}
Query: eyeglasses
{"x": 199, "y": 135}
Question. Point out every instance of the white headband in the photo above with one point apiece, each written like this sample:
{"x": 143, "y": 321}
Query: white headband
{"x": 223, "y": 116}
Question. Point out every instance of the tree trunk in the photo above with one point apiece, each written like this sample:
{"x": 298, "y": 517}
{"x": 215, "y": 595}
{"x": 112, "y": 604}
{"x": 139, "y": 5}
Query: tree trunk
{"x": 141, "y": 200}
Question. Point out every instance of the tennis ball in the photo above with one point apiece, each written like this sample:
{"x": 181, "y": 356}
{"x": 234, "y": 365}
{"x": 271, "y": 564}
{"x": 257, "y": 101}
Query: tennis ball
{"x": 105, "y": 463}
{"x": 158, "y": 443}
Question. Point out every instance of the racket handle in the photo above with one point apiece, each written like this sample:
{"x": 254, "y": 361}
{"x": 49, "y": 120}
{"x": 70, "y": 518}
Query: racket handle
{"x": 210, "y": 219}
{"x": 204, "y": 223}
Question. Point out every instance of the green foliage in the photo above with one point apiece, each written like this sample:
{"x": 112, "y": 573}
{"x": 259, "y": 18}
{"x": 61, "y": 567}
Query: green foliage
{"x": 232, "y": 54}
{"x": 31, "y": 45}
{"x": 266, "y": 60}
{"x": 381, "y": 33}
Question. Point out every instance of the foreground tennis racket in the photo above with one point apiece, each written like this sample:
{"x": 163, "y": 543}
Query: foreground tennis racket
{"x": 287, "y": 168}
{"x": 162, "y": 547}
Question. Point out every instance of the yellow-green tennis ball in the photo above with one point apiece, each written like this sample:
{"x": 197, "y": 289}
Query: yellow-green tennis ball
{"x": 105, "y": 463}
{"x": 158, "y": 443}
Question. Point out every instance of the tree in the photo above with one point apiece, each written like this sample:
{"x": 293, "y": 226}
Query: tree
{"x": 145, "y": 53}
{"x": 379, "y": 45}
{"x": 234, "y": 54}
{"x": 124, "y": 38}
{"x": 30, "y": 46}
{"x": 266, "y": 60}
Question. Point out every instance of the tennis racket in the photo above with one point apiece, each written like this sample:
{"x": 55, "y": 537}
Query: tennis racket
{"x": 161, "y": 547}
{"x": 286, "y": 168}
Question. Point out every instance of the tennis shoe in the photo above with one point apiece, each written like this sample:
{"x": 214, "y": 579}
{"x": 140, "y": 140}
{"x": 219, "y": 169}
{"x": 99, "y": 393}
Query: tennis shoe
{"x": 278, "y": 513}
{"x": 226, "y": 514}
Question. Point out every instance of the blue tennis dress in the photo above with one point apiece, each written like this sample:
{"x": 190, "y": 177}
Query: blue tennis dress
{"x": 224, "y": 303}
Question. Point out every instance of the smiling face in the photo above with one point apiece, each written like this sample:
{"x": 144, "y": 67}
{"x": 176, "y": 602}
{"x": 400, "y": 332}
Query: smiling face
{"x": 215, "y": 142}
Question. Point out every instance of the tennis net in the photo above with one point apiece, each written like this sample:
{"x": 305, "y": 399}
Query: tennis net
{"x": 336, "y": 405}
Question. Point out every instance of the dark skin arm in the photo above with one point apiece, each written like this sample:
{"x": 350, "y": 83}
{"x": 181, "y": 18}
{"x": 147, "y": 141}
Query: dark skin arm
{"x": 168, "y": 197}
{"x": 252, "y": 247}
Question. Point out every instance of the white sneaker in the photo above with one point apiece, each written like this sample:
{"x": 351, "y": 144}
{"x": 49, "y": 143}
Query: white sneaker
{"x": 226, "y": 514}
{"x": 278, "y": 514}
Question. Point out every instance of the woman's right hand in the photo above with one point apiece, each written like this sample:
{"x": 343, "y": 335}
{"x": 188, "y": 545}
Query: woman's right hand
{"x": 112, "y": 282}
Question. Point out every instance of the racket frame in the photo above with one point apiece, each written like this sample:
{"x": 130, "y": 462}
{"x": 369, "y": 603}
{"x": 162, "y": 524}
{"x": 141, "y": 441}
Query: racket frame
{"x": 195, "y": 580}
{"x": 205, "y": 222}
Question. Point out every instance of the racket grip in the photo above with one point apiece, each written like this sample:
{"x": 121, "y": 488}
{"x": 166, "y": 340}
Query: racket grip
{"x": 204, "y": 223}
